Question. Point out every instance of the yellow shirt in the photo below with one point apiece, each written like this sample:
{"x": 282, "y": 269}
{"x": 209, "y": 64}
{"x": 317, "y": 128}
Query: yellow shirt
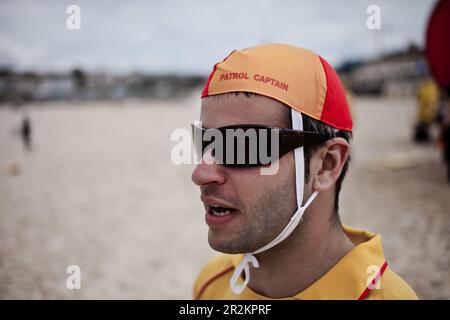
{"x": 427, "y": 101}
{"x": 361, "y": 274}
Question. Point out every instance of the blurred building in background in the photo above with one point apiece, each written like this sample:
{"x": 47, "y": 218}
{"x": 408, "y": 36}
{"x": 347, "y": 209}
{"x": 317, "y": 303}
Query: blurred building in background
{"x": 395, "y": 74}
{"x": 18, "y": 87}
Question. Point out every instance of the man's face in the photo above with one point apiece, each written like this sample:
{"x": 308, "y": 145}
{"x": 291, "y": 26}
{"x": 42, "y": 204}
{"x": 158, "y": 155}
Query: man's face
{"x": 261, "y": 205}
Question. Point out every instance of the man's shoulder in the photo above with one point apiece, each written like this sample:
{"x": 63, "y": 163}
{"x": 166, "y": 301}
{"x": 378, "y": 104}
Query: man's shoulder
{"x": 392, "y": 287}
{"x": 215, "y": 271}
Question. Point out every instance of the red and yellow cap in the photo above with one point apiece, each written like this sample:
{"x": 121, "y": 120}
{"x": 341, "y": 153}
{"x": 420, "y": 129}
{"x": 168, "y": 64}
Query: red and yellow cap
{"x": 295, "y": 76}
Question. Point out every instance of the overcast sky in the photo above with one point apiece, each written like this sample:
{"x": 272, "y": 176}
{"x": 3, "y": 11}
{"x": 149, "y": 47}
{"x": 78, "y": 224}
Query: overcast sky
{"x": 190, "y": 36}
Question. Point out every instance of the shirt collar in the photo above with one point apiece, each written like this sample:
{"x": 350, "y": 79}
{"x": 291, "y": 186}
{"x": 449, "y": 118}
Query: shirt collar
{"x": 349, "y": 277}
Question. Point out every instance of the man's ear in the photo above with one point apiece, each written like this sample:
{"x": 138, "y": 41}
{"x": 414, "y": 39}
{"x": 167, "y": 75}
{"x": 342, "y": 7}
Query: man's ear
{"x": 327, "y": 163}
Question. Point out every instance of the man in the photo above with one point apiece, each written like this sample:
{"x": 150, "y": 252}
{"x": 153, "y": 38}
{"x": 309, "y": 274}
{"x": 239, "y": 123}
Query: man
{"x": 25, "y": 131}
{"x": 276, "y": 245}
{"x": 427, "y": 107}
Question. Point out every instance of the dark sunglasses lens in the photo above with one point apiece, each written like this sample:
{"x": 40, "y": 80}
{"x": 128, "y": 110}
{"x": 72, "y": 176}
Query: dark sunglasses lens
{"x": 238, "y": 147}
{"x": 251, "y": 147}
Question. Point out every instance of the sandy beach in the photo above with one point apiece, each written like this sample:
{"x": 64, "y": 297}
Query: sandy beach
{"x": 99, "y": 190}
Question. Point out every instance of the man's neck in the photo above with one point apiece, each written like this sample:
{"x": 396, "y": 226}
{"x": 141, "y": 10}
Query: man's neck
{"x": 295, "y": 264}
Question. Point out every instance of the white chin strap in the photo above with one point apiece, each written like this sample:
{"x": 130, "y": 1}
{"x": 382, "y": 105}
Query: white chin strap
{"x": 249, "y": 258}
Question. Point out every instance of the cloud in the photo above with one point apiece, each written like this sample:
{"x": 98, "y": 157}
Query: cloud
{"x": 182, "y": 36}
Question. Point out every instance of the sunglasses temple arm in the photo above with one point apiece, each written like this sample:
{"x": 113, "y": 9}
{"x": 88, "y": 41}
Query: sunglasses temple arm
{"x": 293, "y": 141}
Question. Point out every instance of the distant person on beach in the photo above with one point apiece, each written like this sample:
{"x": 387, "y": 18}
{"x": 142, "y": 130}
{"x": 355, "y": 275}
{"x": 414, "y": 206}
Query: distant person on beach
{"x": 427, "y": 109}
{"x": 25, "y": 131}
{"x": 276, "y": 219}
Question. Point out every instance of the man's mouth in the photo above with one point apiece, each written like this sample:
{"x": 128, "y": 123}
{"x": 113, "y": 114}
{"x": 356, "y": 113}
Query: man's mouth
{"x": 217, "y": 212}
{"x": 220, "y": 211}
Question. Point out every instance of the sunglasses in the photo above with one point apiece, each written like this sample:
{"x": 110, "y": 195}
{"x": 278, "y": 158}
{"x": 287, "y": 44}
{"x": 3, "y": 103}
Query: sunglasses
{"x": 250, "y": 145}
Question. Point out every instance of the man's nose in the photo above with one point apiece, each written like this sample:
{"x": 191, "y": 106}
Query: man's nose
{"x": 208, "y": 171}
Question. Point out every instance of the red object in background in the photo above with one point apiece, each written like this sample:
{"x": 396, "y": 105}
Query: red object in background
{"x": 438, "y": 43}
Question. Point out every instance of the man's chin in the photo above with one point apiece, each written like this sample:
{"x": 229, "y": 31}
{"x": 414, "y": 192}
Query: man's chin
{"x": 225, "y": 245}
